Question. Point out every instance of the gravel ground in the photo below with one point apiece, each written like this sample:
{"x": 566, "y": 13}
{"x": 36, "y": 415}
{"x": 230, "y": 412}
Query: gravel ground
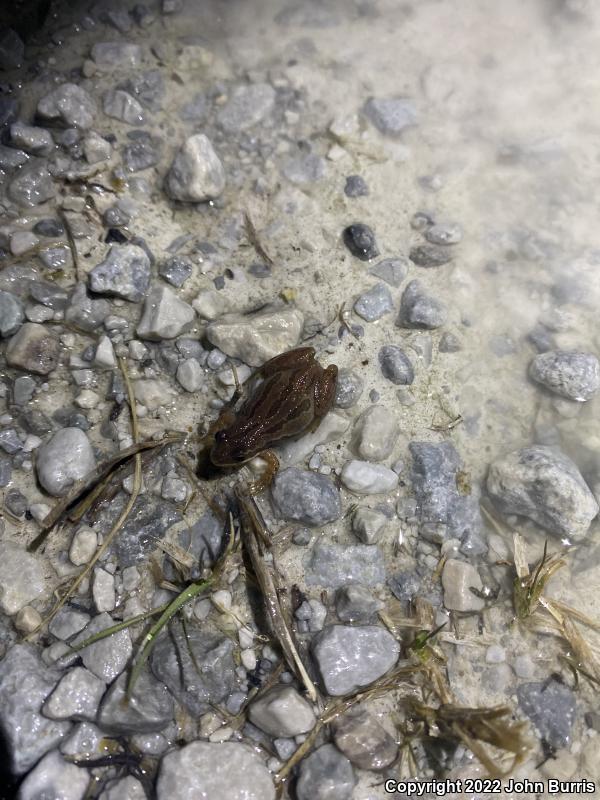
{"x": 408, "y": 189}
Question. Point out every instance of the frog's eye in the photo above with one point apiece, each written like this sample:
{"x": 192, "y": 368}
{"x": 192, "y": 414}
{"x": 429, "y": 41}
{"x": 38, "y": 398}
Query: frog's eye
{"x": 221, "y": 436}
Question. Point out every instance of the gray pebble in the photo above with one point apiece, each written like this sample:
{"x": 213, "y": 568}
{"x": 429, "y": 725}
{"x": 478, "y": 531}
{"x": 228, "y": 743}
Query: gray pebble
{"x": 76, "y": 697}
{"x": 31, "y": 185}
{"x": 36, "y": 141}
{"x": 356, "y": 186}
{"x": 25, "y": 682}
{"x": 364, "y": 741}
{"x": 64, "y": 459}
{"x": 69, "y": 621}
{"x": 247, "y": 106}
{"x": 545, "y": 485}
{"x": 120, "y": 105}
{"x": 441, "y": 234}
{"x": 10, "y": 441}
{"x": 176, "y": 270}
{"x": 141, "y": 154}
{"x": 196, "y": 174}
{"x": 449, "y": 343}
{"x": 111, "y": 56}
{"x": 430, "y": 255}
{"x": 69, "y": 104}
{"x": 360, "y": 241}
{"x": 282, "y": 712}
{"x": 196, "y": 109}
{"x": 106, "y": 658}
{"x": 395, "y": 365}
{"x": 150, "y": 707}
{"x": 355, "y": 603}
{"x": 165, "y": 316}
{"x": 173, "y": 662}
{"x": 23, "y": 389}
{"x": 11, "y": 314}
{"x": 306, "y": 497}
{"x": 390, "y": 115}
{"x": 349, "y": 658}
{"x": 348, "y": 389}
{"x": 305, "y": 168}
{"x": 336, "y": 565}
{"x": 10, "y": 158}
{"x": 219, "y": 771}
{"x": 33, "y": 348}
{"x": 373, "y": 304}
{"x": 567, "y": 373}
{"x": 51, "y": 228}
{"x": 391, "y": 270}
{"x": 324, "y": 775}
{"x": 551, "y": 707}
{"x": 54, "y": 777}
{"x": 419, "y": 309}
{"x": 125, "y": 272}
{"x": 84, "y": 312}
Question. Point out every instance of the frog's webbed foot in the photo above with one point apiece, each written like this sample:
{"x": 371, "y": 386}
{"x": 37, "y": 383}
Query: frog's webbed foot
{"x": 257, "y": 486}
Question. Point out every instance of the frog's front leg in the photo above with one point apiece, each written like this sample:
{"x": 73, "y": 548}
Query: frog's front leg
{"x": 257, "y": 486}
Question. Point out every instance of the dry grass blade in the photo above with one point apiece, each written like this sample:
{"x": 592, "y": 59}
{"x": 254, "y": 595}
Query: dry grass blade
{"x": 137, "y": 483}
{"x": 254, "y": 239}
{"x": 583, "y": 657}
{"x": 251, "y": 523}
{"x": 475, "y": 727}
{"x": 91, "y": 482}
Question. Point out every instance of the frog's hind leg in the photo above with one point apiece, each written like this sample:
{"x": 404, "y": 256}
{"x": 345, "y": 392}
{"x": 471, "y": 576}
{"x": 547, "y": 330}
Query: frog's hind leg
{"x": 257, "y": 486}
{"x": 324, "y": 395}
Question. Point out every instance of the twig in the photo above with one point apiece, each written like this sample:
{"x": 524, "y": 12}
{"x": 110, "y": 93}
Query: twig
{"x": 249, "y": 517}
{"x": 254, "y": 239}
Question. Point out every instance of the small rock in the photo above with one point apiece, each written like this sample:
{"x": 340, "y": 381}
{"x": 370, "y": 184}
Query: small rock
{"x": 336, "y": 565}
{"x": 391, "y": 270}
{"x": 375, "y": 433}
{"x": 77, "y": 696}
{"x": 125, "y": 272}
{"x": 55, "y": 777}
{"x": 196, "y": 174}
{"x": 282, "y": 712}
{"x": 10, "y": 441}
{"x": 219, "y": 771}
{"x": 128, "y": 788}
{"x": 69, "y": 104}
{"x": 310, "y": 616}
{"x": 390, "y": 115}
{"x": 104, "y": 357}
{"x": 85, "y": 313}
{"x": 444, "y": 234}
{"x": 51, "y": 228}
{"x": 10, "y": 158}
{"x": 395, "y": 365}
{"x": 373, "y": 304}
{"x": 96, "y": 148}
{"x": 325, "y": 774}
{"x": 551, "y": 707}
{"x": 291, "y": 450}
{"x": 25, "y": 682}
{"x": 449, "y": 343}
{"x": 21, "y": 577}
{"x": 306, "y": 497}
{"x": 68, "y": 622}
{"x": 37, "y": 141}
{"x": 33, "y": 348}
{"x": 360, "y": 241}
{"x": 122, "y": 106}
{"x": 28, "y": 620}
{"x": 106, "y": 658}
{"x": 142, "y": 153}
{"x": 356, "y": 186}
{"x": 348, "y": 389}
{"x": 545, "y": 485}
{"x": 110, "y": 56}
{"x": 83, "y": 546}
{"x": 64, "y": 459}
{"x": 569, "y": 374}
{"x": 457, "y": 579}
{"x": 364, "y": 741}
{"x": 84, "y": 742}
{"x": 176, "y": 270}
{"x": 31, "y": 186}
{"x": 349, "y": 658}
{"x": 304, "y": 168}
{"x": 368, "y": 524}
{"x": 103, "y": 590}
{"x": 256, "y": 338}
{"x": 430, "y": 255}
{"x": 190, "y": 375}
{"x": 355, "y": 603}
{"x": 150, "y": 707}
{"x": 365, "y": 478}
{"x": 174, "y": 660}
{"x": 165, "y": 316}
{"x": 420, "y": 310}
{"x": 247, "y": 106}
{"x": 11, "y": 314}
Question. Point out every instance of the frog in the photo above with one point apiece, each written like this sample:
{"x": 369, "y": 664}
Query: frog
{"x": 288, "y": 397}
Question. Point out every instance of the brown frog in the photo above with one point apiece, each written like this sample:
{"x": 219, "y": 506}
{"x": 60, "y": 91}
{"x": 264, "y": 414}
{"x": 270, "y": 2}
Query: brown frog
{"x": 292, "y": 398}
